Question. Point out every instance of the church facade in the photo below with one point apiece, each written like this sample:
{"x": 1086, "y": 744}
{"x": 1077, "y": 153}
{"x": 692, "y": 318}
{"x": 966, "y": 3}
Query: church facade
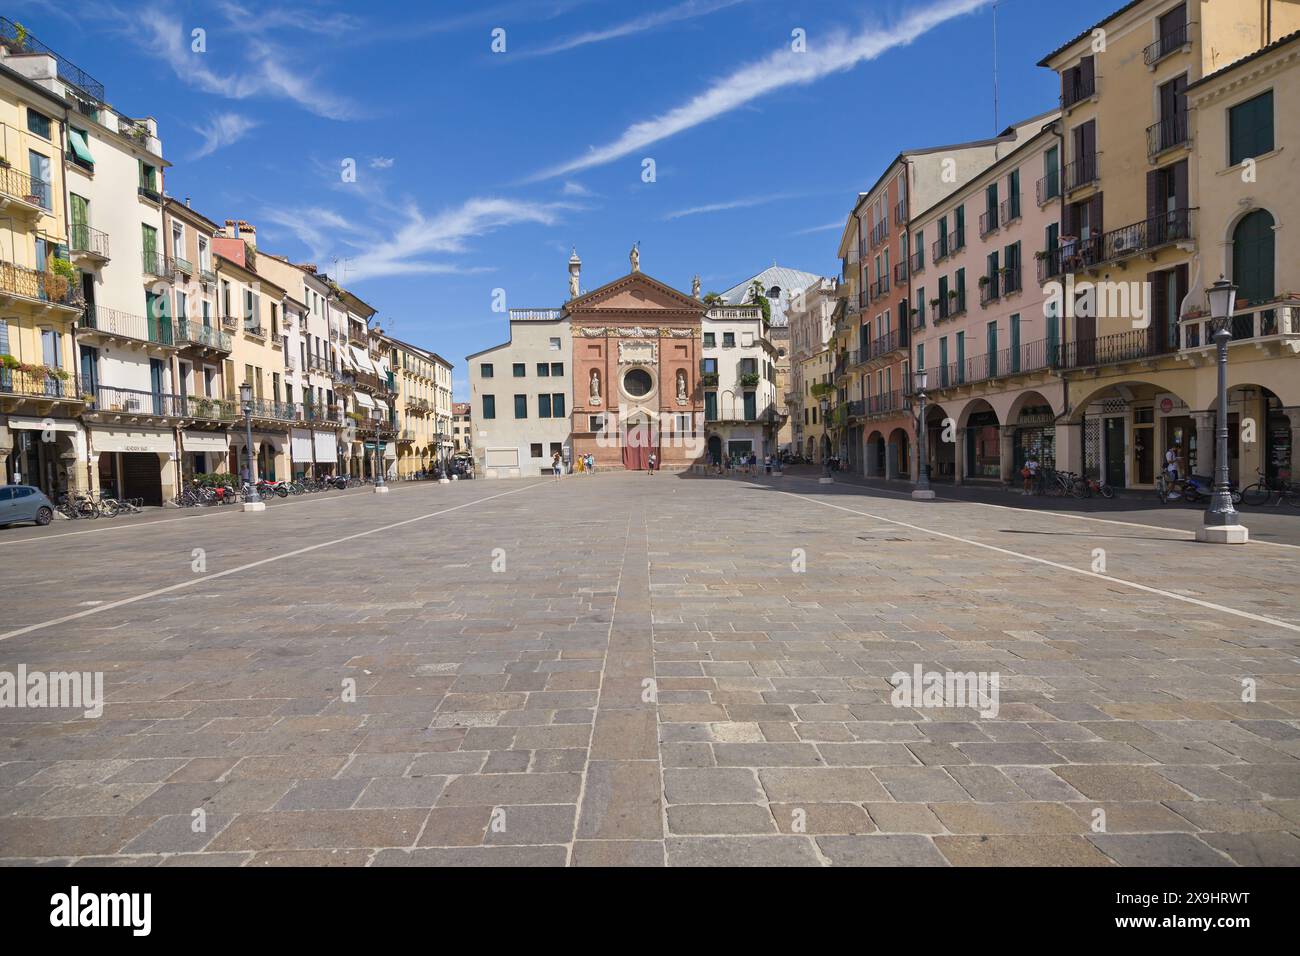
{"x": 636, "y": 373}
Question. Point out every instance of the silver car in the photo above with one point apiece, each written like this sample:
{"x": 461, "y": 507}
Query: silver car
{"x": 24, "y": 503}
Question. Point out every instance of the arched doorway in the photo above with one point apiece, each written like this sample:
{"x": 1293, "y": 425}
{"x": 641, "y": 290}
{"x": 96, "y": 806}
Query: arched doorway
{"x": 639, "y": 438}
{"x": 876, "y": 455}
{"x": 715, "y": 450}
{"x": 1032, "y": 422}
{"x": 900, "y": 453}
{"x": 941, "y": 443}
{"x": 1253, "y": 252}
{"x": 983, "y": 438}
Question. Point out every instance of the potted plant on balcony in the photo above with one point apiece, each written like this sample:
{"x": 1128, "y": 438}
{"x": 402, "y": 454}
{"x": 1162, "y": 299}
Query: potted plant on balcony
{"x": 749, "y": 379}
{"x": 984, "y": 281}
{"x": 934, "y": 303}
{"x": 4, "y": 162}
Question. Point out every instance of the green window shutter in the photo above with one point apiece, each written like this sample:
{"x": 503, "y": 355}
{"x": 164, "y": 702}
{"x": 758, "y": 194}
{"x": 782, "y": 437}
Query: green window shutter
{"x": 79, "y": 209}
{"x": 80, "y": 146}
{"x": 1250, "y": 128}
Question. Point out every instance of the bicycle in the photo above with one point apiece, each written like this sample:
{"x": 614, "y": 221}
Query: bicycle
{"x": 1086, "y": 487}
{"x": 1263, "y": 490}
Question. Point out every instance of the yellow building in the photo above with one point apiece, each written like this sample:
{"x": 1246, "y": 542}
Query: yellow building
{"x": 40, "y": 297}
{"x": 419, "y": 429}
{"x": 1133, "y": 253}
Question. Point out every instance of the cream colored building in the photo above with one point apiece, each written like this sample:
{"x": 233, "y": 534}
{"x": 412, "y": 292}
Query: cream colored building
{"x": 738, "y": 376}
{"x": 811, "y": 323}
{"x": 1135, "y": 252}
{"x": 422, "y": 405}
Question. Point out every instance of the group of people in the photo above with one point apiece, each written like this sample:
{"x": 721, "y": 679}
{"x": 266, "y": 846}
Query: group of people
{"x": 583, "y": 465}
{"x": 744, "y": 464}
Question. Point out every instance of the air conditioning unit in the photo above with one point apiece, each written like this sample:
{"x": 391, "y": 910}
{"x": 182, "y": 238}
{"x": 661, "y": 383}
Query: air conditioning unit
{"x": 1123, "y": 243}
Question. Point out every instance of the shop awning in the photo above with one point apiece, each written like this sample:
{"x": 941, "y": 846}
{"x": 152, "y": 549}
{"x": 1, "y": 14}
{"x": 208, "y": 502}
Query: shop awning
{"x": 363, "y": 359}
{"x": 79, "y": 145}
{"x": 365, "y": 400}
{"x": 156, "y": 440}
{"x": 300, "y": 446}
{"x": 218, "y": 442}
{"x": 41, "y": 424}
{"x": 327, "y": 447}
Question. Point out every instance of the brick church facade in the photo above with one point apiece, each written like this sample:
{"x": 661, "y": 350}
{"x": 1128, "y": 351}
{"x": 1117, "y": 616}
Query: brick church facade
{"x": 636, "y": 374}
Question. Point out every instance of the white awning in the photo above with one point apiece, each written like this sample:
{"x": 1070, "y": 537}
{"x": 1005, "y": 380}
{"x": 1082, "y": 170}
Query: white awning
{"x": 363, "y": 359}
{"x": 41, "y": 424}
{"x": 327, "y": 447}
{"x": 156, "y": 440}
{"x": 300, "y": 445}
{"x": 365, "y": 400}
{"x": 381, "y": 405}
{"x": 345, "y": 358}
{"x": 218, "y": 442}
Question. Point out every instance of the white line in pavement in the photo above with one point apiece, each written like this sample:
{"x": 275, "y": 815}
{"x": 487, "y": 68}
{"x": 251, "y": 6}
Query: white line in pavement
{"x": 130, "y": 525}
{"x": 1057, "y": 514}
{"x": 253, "y": 564}
{"x": 1054, "y": 564}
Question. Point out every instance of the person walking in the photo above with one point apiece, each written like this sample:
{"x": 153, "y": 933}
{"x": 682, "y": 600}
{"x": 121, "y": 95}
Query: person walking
{"x": 1030, "y": 473}
{"x": 556, "y": 466}
{"x": 651, "y": 465}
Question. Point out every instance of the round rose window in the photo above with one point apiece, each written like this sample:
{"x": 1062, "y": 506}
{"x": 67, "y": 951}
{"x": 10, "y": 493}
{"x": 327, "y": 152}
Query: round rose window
{"x": 637, "y": 382}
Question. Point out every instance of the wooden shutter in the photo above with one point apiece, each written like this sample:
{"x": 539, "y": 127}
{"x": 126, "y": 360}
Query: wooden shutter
{"x": 1155, "y": 202}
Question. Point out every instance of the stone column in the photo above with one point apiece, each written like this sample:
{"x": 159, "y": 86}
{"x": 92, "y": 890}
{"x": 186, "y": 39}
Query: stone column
{"x": 1006, "y": 453}
{"x": 1293, "y": 414}
{"x": 6, "y": 447}
{"x": 1069, "y": 450}
{"x": 958, "y": 455}
{"x": 1205, "y": 463}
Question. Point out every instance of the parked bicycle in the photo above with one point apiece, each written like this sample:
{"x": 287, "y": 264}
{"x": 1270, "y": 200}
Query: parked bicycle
{"x": 1085, "y": 487}
{"x": 1268, "y": 490}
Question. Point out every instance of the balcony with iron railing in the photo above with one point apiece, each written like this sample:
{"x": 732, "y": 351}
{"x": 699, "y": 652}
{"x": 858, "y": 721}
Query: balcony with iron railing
{"x": 900, "y": 272}
{"x": 1170, "y": 42}
{"x": 20, "y": 40}
{"x": 1082, "y": 172}
{"x": 1077, "y": 89}
{"x": 181, "y": 265}
{"x": 956, "y": 241}
{"x": 206, "y": 275}
{"x": 149, "y": 191}
{"x": 131, "y": 401}
{"x": 939, "y": 248}
{"x": 1048, "y": 188}
{"x": 1009, "y": 209}
{"x": 24, "y": 193}
{"x": 884, "y": 345}
{"x": 857, "y": 408}
{"x": 884, "y": 403}
{"x": 880, "y": 287}
{"x": 1139, "y": 238}
{"x": 864, "y": 299}
{"x": 39, "y": 286}
{"x": 1170, "y": 133}
{"x": 879, "y": 232}
{"x": 900, "y": 212}
{"x": 37, "y": 383}
{"x": 98, "y": 321}
{"x": 194, "y": 334}
{"x": 153, "y": 264}
{"x": 318, "y": 363}
{"x": 917, "y": 262}
{"x": 203, "y": 408}
{"x": 989, "y": 222}
{"x": 990, "y": 288}
{"x": 1278, "y": 320}
{"x": 84, "y": 240}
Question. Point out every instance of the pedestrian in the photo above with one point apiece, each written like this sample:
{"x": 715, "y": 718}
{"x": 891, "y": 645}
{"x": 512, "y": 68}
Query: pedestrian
{"x": 767, "y": 464}
{"x": 591, "y": 463}
{"x": 1173, "y": 461}
{"x": 651, "y": 462}
{"x": 555, "y": 466}
{"x": 582, "y": 464}
{"x": 1029, "y": 472}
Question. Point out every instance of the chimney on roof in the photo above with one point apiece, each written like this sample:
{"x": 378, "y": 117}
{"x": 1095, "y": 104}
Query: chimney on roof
{"x": 187, "y": 202}
{"x": 231, "y": 231}
{"x": 247, "y": 232}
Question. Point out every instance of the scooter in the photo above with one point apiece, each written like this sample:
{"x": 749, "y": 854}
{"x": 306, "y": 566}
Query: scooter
{"x": 1201, "y": 486}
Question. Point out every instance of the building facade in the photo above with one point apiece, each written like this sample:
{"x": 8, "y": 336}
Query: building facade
{"x": 811, "y": 323}
{"x": 738, "y": 376}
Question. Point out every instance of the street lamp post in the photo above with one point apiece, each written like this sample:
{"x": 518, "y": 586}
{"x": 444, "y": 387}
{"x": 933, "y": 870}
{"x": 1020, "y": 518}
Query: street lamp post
{"x": 442, "y": 456}
{"x": 380, "y": 487}
{"x": 252, "y": 501}
{"x": 922, "y": 490}
{"x": 826, "y": 478}
{"x": 1222, "y": 524}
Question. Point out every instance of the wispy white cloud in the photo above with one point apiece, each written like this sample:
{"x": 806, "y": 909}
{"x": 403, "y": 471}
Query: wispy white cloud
{"x": 835, "y": 54}
{"x": 419, "y": 245}
{"x": 650, "y": 21}
{"x": 224, "y": 129}
{"x": 746, "y": 203}
{"x": 572, "y": 188}
{"x": 382, "y": 162}
{"x": 826, "y": 228}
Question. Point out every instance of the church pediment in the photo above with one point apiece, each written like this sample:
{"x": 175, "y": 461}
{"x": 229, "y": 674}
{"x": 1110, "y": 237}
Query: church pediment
{"x": 636, "y": 291}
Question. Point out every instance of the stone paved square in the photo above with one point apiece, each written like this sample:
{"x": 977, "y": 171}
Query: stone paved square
{"x": 651, "y": 680}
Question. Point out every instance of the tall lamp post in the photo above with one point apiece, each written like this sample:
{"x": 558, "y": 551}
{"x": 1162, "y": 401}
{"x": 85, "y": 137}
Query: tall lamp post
{"x": 826, "y": 478}
{"x": 252, "y": 501}
{"x": 922, "y": 490}
{"x": 1222, "y": 523}
{"x": 380, "y": 487}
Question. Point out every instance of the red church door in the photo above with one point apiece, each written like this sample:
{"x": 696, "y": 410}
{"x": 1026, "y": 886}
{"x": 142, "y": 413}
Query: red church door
{"x": 640, "y": 438}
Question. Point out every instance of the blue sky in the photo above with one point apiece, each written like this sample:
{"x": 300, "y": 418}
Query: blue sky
{"x": 478, "y": 170}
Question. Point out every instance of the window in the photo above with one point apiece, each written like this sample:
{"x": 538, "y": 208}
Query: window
{"x": 79, "y": 149}
{"x": 535, "y": 449}
{"x": 556, "y": 448}
{"x": 557, "y": 405}
{"x": 637, "y": 382}
{"x": 38, "y": 165}
{"x": 1250, "y": 128}
{"x": 751, "y": 406}
{"x": 148, "y": 178}
{"x": 543, "y": 406}
{"x": 178, "y": 240}
{"x": 38, "y": 123}
{"x": 596, "y": 423}
{"x": 557, "y": 370}
{"x": 520, "y": 369}
{"x": 728, "y": 340}
{"x": 1253, "y": 254}
{"x": 182, "y": 308}
{"x": 521, "y": 406}
{"x": 709, "y": 366}
{"x": 555, "y": 345}
{"x": 485, "y": 370}
{"x": 710, "y": 340}
{"x": 489, "y": 406}
{"x": 920, "y": 356}
{"x": 543, "y": 370}
{"x": 710, "y": 406}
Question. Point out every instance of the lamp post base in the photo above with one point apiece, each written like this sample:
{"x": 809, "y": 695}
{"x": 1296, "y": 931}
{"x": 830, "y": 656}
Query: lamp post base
{"x": 825, "y": 480}
{"x": 1223, "y": 534}
{"x": 444, "y": 481}
{"x": 381, "y": 489}
{"x": 922, "y": 495}
{"x": 253, "y": 506}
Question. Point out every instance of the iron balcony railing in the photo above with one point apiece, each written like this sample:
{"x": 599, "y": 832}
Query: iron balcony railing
{"x": 83, "y": 238}
{"x": 900, "y": 272}
{"x": 956, "y": 241}
{"x": 857, "y": 408}
{"x": 918, "y": 262}
{"x": 864, "y": 299}
{"x": 1263, "y": 321}
{"x": 990, "y": 289}
{"x": 21, "y": 41}
{"x": 1114, "y": 349}
{"x": 1169, "y": 42}
{"x": 318, "y": 363}
{"x": 1122, "y": 243}
{"x": 18, "y": 185}
{"x": 1078, "y": 88}
{"x": 182, "y": 265}
{"x": 884, "y": 402}
{"x": 940, "y": 248}
{"x": 141, "y": 328}
{"x": 880, "y": 287}
{"x": 1009, "y": 210}
{"x": 272, "y": 410}
{"x": 38, "y": 384}
{"x": 41, "y": 286}
{"x": 1080, "y": 173}
{"x": 211, "y": 409}
{"x": 900, "y": 213}
{"x": 879, "y": 232}
{"x": 988, "y": 222}
{"x": 196, "y": 333}
{"x": 1048, "y": 188}
{"x": 130, "y": 401}
{"x": 149, "y": 192}
{"x": 889, "y": 342}
{"x": 154, "y": 264}
{"x": 1171, "y": 132}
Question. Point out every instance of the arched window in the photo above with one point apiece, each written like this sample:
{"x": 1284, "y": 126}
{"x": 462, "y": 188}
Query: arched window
{"x": 1252, "y": 257}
